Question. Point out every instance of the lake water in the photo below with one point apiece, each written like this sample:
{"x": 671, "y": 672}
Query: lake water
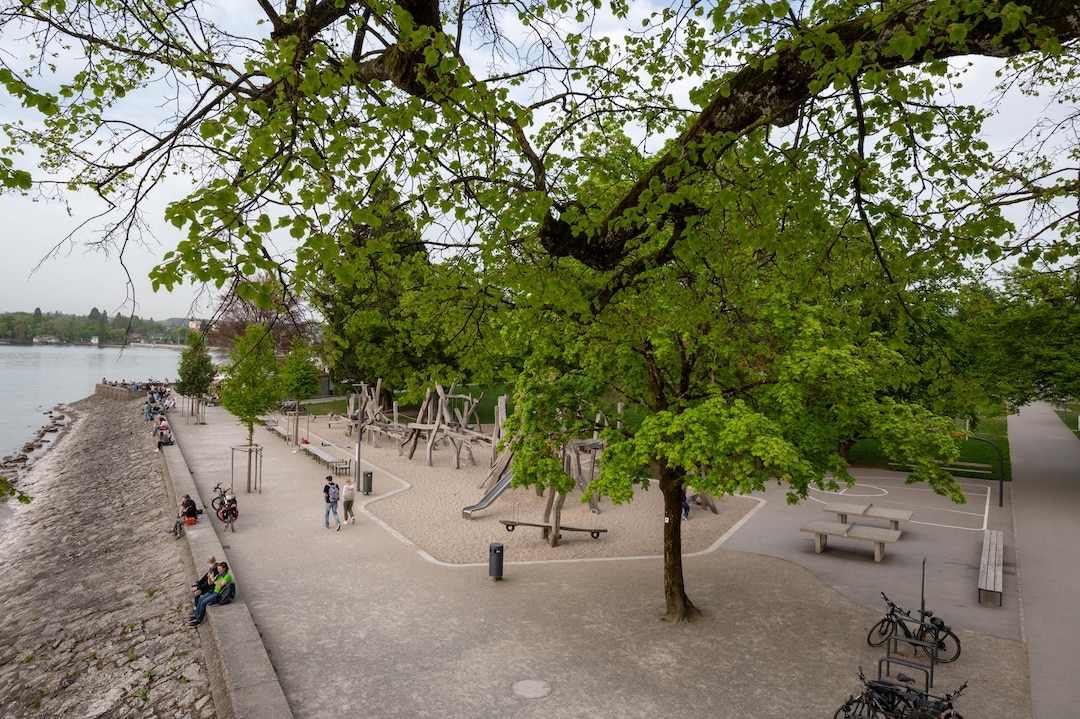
{"x": 34, "y": 379}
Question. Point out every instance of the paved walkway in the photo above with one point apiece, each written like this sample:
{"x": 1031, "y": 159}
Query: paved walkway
{"x": 1046, "y": 473}
{"x": 360, "y": 620}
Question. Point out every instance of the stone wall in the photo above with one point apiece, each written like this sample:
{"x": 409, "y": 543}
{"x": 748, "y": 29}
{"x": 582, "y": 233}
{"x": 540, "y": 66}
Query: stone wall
{"x": 121, "y": 393}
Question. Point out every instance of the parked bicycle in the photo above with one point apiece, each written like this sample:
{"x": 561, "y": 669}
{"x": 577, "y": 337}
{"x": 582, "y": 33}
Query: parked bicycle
{"x": 931, "y": 630}
{"x": 219, "y": 498}
{"x": 224, "y": 505}
{"x": 881, "y": 699}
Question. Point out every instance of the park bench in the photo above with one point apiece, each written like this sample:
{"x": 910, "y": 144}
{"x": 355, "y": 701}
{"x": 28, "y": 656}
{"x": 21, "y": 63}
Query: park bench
{"x": 894, "y": 516}
{"x": 278, "y": 429}
{"x": 991, "y": 564}
{"x": 963, "y": 468}
{"x": 823, "y": 529}
{"x": 319, "y": 454}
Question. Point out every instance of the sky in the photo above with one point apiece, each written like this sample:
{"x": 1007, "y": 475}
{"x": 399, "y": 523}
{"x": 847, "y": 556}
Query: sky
{"x": 76, "y": 279}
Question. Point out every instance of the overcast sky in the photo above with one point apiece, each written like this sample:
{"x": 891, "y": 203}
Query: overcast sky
{"x": 76, "y": 280}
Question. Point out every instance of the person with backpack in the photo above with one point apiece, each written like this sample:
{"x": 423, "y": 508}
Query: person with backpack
{"x": 222, "y": 580}
{"x": 331, "y": 493}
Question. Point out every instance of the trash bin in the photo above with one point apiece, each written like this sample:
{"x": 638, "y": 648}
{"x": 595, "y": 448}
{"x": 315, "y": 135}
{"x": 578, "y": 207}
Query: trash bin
{"x": 367, "y": 483}
{"x": 495, "y": 560}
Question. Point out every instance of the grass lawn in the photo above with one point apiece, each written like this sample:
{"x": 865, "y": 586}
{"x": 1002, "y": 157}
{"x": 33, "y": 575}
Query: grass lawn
{"x": 1070, "y": 415}
{"x": 867, "y": 453}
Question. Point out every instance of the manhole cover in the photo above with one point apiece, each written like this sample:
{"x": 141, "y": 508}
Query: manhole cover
{"x": 532, "y": 688}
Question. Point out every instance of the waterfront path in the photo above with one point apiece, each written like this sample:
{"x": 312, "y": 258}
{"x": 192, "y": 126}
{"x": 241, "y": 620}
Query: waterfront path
{"x": 364, "y": 620}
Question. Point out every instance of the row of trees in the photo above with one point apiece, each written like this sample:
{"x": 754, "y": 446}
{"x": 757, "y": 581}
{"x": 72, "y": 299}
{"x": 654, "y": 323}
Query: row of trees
{"x": 24, "y": 326}
{"x": 748, "y": 222}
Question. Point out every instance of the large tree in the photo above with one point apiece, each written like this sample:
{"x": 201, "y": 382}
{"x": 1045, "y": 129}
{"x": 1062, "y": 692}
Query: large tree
{"x": 754, "y": 354}
{"x": 1020, "y": 334}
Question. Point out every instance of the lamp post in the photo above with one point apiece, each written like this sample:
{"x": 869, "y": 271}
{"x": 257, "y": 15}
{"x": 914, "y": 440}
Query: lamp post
{"x": 1001, "y": 468}
{"x": 361, "y": 391}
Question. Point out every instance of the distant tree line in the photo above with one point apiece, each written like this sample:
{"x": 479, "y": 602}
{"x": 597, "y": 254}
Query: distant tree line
{"x": 24, "y": 326}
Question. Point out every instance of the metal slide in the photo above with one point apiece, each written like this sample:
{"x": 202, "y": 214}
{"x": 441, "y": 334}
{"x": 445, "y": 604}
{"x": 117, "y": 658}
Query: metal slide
{"x": 491, "y": 496}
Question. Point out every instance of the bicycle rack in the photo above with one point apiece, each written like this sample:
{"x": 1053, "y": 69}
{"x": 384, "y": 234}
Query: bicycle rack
{"x": 892, "y": 656}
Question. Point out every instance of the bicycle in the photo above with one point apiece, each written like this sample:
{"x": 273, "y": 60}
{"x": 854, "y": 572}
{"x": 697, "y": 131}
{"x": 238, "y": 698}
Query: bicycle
{"x": 228, "y": 512}
{"x": 882, "y": 699}
{"x": 219, "y": 500}
{"x": 932, "y": 631}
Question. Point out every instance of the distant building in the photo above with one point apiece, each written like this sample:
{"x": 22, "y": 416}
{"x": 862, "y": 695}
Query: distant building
{"x": 46, "y": 340}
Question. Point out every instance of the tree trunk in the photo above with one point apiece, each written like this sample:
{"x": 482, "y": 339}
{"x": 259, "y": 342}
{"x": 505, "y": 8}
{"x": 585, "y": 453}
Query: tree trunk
{"x": 679, "y": 608}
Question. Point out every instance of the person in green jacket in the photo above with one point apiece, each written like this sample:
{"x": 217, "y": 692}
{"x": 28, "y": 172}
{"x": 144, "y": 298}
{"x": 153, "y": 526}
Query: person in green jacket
{"x": 223, "y": 579}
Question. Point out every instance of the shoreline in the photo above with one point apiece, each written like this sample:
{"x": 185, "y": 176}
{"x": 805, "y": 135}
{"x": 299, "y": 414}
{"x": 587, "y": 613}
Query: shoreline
{"x": 94, "y": 586}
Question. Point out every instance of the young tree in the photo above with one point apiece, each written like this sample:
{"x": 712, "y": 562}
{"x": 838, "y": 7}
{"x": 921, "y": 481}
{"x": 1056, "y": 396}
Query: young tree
{"x": 196, "y": 372}
{"x": 300, "y": 376}
{"x": 252, "y": 385}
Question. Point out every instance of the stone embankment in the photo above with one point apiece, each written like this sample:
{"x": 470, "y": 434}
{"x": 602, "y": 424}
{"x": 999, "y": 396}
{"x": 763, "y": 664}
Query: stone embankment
{"x": 93, "y": 586}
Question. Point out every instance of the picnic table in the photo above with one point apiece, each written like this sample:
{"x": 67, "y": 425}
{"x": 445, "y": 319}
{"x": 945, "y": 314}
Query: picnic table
{"x": 879, "y": 536}
{"x": 894, "y": 516}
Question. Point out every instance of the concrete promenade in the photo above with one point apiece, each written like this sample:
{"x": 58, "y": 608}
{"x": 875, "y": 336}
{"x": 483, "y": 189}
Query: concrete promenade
{"x": 361, "y": 621}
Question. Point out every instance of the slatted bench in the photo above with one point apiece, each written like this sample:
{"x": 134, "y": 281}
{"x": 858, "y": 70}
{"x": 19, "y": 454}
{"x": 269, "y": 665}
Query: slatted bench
{"x": 991, "y": 564}
{"x": 319, "y": 454}
{"x": 823, "y": 529}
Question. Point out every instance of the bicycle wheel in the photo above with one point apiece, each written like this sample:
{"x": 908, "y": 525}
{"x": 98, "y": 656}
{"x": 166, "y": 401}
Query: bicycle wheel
{"x": 880, "y": 632}
{"x": 217, "y": 503}
{"x": 948, "y": 644}
{"x": 223, "y": 514}
{"x": 857, "y": 708}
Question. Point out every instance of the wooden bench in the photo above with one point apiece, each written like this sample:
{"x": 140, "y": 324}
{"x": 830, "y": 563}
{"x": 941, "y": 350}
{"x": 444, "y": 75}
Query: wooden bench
{"x": 278, "y": 430}
{"x": 990, "y": 566}
{"x": 894, "y": 516}
{"x": 319, "y": 454}
{"x": 976, "y": 468}
{"x": 823, "y": 529}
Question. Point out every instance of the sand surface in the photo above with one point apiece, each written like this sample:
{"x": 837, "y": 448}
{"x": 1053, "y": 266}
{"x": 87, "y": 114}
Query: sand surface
{"x": 430, "y": 512}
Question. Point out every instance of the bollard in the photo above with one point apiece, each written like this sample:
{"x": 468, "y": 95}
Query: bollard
{"x": 495, "y": 560}
{"x": 367, "y": 483}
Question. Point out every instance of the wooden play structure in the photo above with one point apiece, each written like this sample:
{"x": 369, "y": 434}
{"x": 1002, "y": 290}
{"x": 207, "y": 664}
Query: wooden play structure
{"x": 580, "y": 461}
{"x": 445, "y": 418}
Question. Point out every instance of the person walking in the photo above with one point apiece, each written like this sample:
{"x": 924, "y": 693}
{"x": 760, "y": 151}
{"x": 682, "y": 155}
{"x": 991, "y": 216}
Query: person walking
{"x": 331, "y": 493}
{"x": 348, "y": 495}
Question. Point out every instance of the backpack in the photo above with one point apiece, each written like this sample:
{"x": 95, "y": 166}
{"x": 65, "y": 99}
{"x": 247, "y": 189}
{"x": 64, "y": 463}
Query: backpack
{"x": 332, "y": 493}
{"x": 227, "y": 594}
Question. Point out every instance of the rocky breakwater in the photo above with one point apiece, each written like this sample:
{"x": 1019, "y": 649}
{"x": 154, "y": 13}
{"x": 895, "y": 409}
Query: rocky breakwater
{"x": 93, "y": 586}
{"x": 16, "y": 464}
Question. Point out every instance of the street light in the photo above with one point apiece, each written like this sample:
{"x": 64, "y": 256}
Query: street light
{"x": 361, "y": 393}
